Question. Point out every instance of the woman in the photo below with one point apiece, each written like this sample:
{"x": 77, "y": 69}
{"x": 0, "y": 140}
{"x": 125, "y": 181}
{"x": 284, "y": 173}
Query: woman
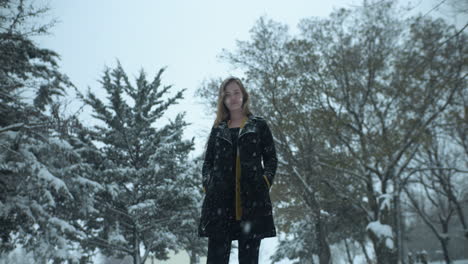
{"x": 237, "y": 203}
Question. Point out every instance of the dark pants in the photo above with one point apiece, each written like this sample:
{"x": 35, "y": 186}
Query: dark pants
{"x": 219, "y": 250}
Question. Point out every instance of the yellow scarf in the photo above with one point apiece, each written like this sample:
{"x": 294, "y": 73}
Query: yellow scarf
{"x": 238, "y": 175}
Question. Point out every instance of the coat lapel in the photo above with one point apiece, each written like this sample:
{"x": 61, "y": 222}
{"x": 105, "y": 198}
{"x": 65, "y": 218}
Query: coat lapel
{"x": 224, "y": 132}
{"x": 249, "y": 127}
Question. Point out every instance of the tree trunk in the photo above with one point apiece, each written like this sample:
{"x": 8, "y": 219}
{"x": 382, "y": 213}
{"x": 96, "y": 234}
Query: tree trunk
{"x": 347, "y": 251}
{"x": 444, "y": 243}
{"x": 324, "y": 253}
{"x": 307, "y": 260}
{"x": 136, "y": 249}
{"x": 364, "y": 250}
{"x": 383, "y": 254}
{"x": 398, "y": 229}
{"x": 459, "y": 212}
{"x": 194, "y": 259}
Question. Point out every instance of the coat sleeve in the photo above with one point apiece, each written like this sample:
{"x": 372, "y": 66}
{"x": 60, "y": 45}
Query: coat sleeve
{"x": 270, "y": 160}
{"x": 208, "y": 160}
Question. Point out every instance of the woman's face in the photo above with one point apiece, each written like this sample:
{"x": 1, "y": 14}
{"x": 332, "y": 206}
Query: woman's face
{"x": 233, "y": 96}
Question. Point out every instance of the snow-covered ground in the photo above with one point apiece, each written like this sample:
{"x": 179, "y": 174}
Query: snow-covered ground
{"x": 465, "y": 261}
{"x": 266, "y": 250}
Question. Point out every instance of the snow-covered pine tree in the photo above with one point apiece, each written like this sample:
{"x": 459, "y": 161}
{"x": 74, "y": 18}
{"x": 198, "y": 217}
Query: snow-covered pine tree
{"x": 43, "y": 177}
{"x": 195, "y": 246}
{"x": 144, "y": 168}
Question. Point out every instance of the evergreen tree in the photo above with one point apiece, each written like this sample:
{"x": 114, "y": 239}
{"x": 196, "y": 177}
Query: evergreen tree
{"x": 44, "y": 181}
{"x": 144, "y": 168}
{"x": 195, "y": 246}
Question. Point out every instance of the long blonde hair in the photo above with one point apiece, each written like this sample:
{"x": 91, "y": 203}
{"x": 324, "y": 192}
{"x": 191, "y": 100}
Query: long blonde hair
{"x": 222, "y": 112}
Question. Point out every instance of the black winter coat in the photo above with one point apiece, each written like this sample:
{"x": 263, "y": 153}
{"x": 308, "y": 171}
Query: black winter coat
{"x": 258, "y": 166}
